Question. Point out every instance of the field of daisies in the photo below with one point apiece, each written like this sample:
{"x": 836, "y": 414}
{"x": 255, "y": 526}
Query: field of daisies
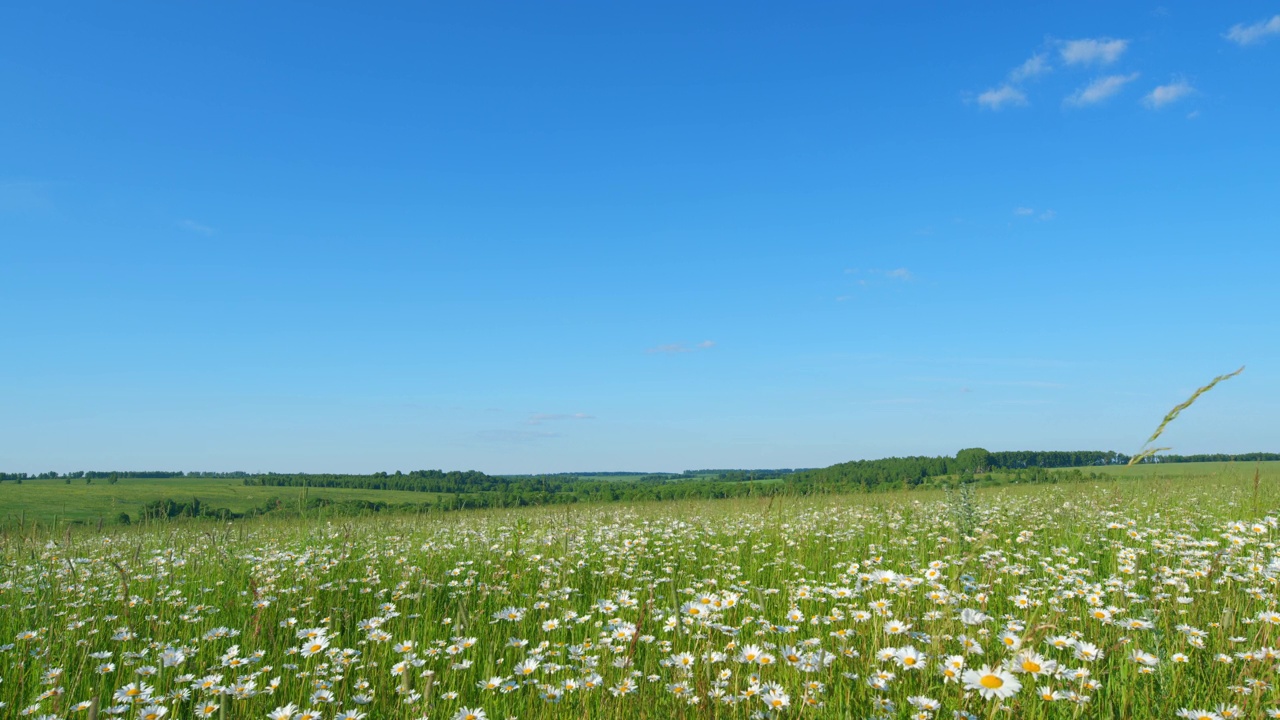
{"x": 1133, "y": 599}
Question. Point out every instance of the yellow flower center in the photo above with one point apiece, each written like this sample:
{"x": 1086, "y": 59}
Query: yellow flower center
{"x": 1031, "y": 666}
{"x": 991, "y": 681}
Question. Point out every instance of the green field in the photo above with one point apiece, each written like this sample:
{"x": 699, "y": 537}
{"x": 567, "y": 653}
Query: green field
{"x": 1137, "y": 598}
{"x": 1202, "y": 469}
{"x": 45, "y": 500}
{"x": 50, "y": 501}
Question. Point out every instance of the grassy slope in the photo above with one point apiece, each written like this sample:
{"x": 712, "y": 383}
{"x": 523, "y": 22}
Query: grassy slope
{"x": 44, "y": 499}
{"x": 1191, "y": 469}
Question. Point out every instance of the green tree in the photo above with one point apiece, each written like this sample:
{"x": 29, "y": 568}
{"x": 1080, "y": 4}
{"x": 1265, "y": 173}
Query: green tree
{"x": 974, "y": 460}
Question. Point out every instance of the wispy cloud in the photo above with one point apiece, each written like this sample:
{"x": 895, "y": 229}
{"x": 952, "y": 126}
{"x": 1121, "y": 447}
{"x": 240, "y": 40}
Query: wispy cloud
{"x": 897, "y": 401}
{"x": 195, "y": 227}
{"x": 1099, "y": 90}
{"x": 670, "y": 347}
{"x": 1165, "y": 94}
{"x": 539, "y": 418}
{"x": 1003, "y": 96}
{"x": 868, "y": 279}
{"x": 1035, "y": 65}
{"x": 1009, "y": 92}
{"x": 1242, "y": 34}
{"x": 970, "y": 383}
{"x": 679, "y": 347}
{"x": 1029, "y": 212}
{"x": 901, "y": 274}
{"x": 1092, "y": 51}
{"x": 513, "y": 436}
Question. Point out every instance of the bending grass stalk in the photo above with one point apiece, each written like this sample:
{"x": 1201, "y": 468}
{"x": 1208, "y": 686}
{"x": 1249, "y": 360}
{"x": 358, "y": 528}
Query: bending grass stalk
{"x": 1174, "y": 414}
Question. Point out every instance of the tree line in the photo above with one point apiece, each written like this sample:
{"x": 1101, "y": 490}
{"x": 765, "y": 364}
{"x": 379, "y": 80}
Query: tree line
{"x": 526, "y": 489}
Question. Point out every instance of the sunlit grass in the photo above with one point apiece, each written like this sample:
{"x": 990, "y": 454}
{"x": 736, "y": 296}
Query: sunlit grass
{"x": 646, "y": 611}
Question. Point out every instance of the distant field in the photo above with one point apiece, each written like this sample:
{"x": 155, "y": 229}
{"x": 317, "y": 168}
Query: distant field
{"x": 42, "y": 500}
{"x": 1190, "y": 469}
{"x": 48, "y": 500}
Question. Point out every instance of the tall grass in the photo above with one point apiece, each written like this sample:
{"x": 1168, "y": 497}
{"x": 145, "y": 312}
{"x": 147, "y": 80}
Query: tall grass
{"x": 1173, "y": 415}
{"x": 1184, "y": 554}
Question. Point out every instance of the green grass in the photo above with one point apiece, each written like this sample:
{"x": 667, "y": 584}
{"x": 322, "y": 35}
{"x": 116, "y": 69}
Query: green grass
{"x": 1174, "y": 551}
{"x": 45, "y": 500}
{"x": 1203, "y": 469}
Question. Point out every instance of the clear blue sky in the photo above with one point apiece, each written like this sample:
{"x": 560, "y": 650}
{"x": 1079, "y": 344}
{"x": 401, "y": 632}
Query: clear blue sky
{"x": 527, "y": 237}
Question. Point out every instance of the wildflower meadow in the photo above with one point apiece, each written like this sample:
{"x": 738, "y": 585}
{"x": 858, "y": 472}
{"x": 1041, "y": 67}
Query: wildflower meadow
{"x": 1139, "y": 598}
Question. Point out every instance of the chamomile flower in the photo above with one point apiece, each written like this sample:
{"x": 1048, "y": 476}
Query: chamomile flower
{"x": 991, "y": 682}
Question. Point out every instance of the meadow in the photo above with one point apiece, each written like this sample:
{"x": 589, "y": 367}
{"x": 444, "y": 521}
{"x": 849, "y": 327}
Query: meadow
{"x": 53, "y": 501}
{"x": 56, "y": 502}
{"x": 1143, "y": 597}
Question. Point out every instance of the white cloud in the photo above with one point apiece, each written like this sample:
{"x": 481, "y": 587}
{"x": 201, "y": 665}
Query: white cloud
{"x": 674, "y": 348}
{"x": 513, "y": 436}
{"x": 670, "y": 348}
{"x": 539, "y": 418}
{"x": 1010, "y": 93}
{"x": 1100, "y": 89}
{"x": 1028, "y": 212}
{"x": 195, "y": 227}
{"x": 895, "y": 274}
{"x": 1092, "y": 51}
{"x": 1242, "y": 34}
{"x": 1165, "y": 94}
{"x": 996, "y": 98}
{"x": 1035, "y": 65}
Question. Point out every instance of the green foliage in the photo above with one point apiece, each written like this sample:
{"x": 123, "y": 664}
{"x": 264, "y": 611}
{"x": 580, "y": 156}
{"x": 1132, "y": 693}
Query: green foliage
{"x": 974, "y": 460}
{"x": 962, "y": 508}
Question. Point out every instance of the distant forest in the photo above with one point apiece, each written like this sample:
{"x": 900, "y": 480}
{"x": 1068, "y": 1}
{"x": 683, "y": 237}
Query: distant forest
{"x": 972, "y": 459}
{"x": 455, "y": 490}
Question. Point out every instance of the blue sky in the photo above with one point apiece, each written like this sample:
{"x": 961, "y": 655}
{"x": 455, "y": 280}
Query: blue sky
{"x": 530, "y": 237}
